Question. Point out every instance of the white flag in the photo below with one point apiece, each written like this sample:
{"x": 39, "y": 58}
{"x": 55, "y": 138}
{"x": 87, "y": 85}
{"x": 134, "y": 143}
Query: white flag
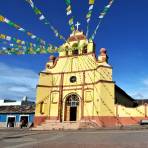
{"x": 88, "y": 20}
{"x": 23, "y": 42}
{"x": 101, "y": 16}
{"x": 108, "y": 6}
{"x": 91, "y": 7}
{"x": 42, "y": 17}
{"x": 69, "y": 12}
{"x": 33, "y": 36}
{"x": 6, "y": 20}
{"x": 31, "y": 3}
{"x": 8, "y": 38}
{"x": 4, "y": 48}
{"x": 21, "y": 29}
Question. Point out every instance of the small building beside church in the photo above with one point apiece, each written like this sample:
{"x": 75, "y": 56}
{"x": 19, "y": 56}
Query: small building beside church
{"x": 15, "y": 113}
{"x": 76, "y": 90}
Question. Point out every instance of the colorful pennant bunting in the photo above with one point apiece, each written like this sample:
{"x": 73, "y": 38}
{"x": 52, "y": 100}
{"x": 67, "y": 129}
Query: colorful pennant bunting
{"x": 18, "y": 49}
{"x": 69, "y": 13}
{"x": 43, "y": 19}
{"x": 89, "y": 14}
{"x": 18, "y": 41}
{"x": 101, "y": 16}
{"x": 31, "y": 35}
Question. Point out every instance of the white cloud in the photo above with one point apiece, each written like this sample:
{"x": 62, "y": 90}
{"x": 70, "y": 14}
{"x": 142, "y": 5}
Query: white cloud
{"x": 19, "y": 89}
{"x": 141, "y": 92}
{"x": 145, "y": 82}
{"x": 17, "y": 82}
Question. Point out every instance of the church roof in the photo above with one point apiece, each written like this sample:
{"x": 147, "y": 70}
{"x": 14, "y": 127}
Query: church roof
{"x": 76, "y": 35}
{"x": 123, "y": 98}
{"x": 142, "y": 101}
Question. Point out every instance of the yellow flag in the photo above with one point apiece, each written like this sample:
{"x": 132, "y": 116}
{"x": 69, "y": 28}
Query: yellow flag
{"x": 68, "y": 8}
{"x": 1, "y": 18}
{"x": 2, "y": 36}
{"x": 91, "y": 2}
{"x": 29, "y": 33}
{"x": 18, "y": 41}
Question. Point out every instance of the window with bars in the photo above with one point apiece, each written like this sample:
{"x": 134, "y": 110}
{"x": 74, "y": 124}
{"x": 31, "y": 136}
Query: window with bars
{"x": 72, "y": 101}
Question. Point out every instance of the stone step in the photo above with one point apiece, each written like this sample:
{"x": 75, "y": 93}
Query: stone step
{"x": 57, "y": 125}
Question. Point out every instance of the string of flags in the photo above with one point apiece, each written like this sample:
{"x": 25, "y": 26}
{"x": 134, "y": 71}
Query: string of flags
{"x": 15, "y": 49}
{"x": 23, "y": 47}
{"x": 69, "y": 14}
{"x": 43, "y": 19}
{"x": 17, "y": 41}
{"x": 89, "y": 14}
{"x": 31, "y": 35}
{"x": 101, "y": 16}
{"x": 27, "y": 44}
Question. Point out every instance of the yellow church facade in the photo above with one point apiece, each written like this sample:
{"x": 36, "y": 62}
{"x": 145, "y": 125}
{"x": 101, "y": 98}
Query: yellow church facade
{"x": 77, "y": 88}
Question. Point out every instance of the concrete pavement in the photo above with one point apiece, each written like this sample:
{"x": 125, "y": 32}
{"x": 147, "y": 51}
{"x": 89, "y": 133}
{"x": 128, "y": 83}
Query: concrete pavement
{"x": 74, "y": 139}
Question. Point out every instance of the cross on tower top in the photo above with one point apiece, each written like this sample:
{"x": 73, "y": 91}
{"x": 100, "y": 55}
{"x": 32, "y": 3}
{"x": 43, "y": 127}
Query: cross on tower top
{"x": 77, "y": 25}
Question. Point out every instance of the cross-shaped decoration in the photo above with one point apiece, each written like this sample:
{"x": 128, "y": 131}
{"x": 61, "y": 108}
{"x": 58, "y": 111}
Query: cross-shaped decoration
{"x": 77, "y": 25}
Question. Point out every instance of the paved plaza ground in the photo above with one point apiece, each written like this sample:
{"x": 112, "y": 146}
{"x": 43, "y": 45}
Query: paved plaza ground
{"x": 24, "y": 138}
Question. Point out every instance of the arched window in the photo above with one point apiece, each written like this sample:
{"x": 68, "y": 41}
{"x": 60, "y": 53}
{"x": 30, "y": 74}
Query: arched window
{"x": 72, "y": 101}
{"x": 75, "y": 51}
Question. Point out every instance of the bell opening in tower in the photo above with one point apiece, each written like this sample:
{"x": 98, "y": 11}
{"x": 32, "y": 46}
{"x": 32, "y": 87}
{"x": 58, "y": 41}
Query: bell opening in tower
{"x": 75, "y": 52}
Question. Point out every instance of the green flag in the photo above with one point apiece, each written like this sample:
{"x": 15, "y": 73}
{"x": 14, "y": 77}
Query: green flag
{"x": 37, "y": 11}
{"x": 67, "y": 2}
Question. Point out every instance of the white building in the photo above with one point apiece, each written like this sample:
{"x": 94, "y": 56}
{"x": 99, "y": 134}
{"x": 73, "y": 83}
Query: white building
{"x": 8, "y": 102}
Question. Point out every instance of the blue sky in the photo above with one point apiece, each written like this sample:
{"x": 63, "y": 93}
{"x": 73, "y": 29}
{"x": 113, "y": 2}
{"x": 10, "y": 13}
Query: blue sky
{"x": 123, "y": 32}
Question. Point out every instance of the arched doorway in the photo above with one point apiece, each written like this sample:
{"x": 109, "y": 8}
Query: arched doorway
{"x": 71, "y": 108}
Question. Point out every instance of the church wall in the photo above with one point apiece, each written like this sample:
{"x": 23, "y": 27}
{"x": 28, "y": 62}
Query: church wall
{"x": 131, "y": 115}
{"x": 53, "y": 110}
{"x": 42, "y": 96}
{"x": 106, "y": 99}
{"x": 88, "y": 108}
{"x": 105, "y": 73}
{"x": 89, "y": 77}
{"x": 131, "y": 112}
{"x": 45, "y": 79}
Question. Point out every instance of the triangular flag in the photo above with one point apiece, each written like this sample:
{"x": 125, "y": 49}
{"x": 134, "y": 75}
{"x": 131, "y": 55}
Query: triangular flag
{"x": 71, "y": 21}
{"x": 21, "y": 29}
{"x": 69, "y": 12}
{"x": 68, "y": 8}
{"x": 8, "y": 38}
{"x": 67, "y": 2}
{"x": 88, "y": 20}
{"x": 91, "y": 2}
{"x": 42, "y": 17}
{"x": 6, "y": 20}
{"x": 1, "y": 18}
{"x": 31, "y": 3}
{"x": 91, "y": 7}
{"x": 33, "y": 36}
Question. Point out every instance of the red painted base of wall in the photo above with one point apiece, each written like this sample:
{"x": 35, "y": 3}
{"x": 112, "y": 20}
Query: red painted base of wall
{"x": 38, "y": 120}
{"x": 110, "y": 121}
{"x": 130, "y": 120}
{"x": 100, "y": 121}
{"x": 104, "y": 121}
